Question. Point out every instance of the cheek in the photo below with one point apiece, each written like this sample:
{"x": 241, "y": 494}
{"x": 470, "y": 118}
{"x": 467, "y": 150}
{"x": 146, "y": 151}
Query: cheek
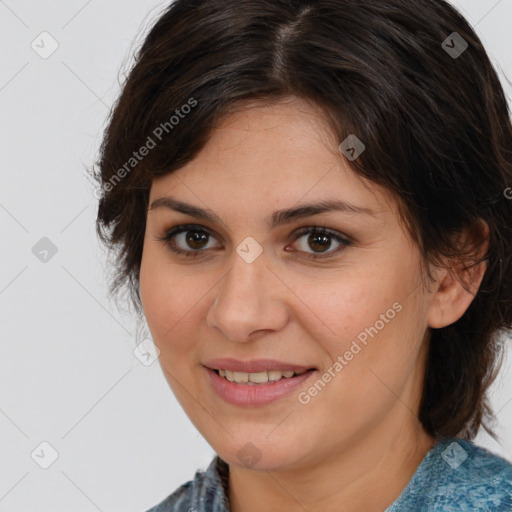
{"x": 149, "y": 288}
{"x": 375, "y": 321}
{"x": 171, "y": 300}
{"x": 159, "y": 296}
{"x": 377, "y": 335}
{"x": 164, "y": 305}
{"x": 341, "y": 308}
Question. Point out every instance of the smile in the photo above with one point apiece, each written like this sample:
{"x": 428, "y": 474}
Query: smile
{"x": 270, "y": 387}
{"x": 258, "y": 377}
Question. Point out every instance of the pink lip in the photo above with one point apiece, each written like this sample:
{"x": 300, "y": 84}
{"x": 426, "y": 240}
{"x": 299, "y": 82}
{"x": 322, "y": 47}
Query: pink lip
{"x": 259, "y": 394}
{"x": 254, "y": 366}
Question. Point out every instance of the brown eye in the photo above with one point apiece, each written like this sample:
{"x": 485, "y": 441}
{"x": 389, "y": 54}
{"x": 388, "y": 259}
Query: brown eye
{"x": 188, "y": 240}
{"x": 196, "y": 239}
{"x": 319, "y": 241}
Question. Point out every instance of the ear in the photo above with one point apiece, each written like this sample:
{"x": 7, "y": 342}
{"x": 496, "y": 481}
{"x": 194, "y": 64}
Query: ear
{"x": 456, "y": 286}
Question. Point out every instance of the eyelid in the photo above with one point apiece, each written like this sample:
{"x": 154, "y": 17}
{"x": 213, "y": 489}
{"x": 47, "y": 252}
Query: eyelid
{"x": 180, "y": 228}
{"x": 317, "y": 229}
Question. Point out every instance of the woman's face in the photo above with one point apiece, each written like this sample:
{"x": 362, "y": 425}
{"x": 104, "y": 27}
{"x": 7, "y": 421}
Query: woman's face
{"x": 250, "y": 290}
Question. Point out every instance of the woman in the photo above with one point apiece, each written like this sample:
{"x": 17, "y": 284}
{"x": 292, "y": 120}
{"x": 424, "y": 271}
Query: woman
{"x": 308, "y": 204}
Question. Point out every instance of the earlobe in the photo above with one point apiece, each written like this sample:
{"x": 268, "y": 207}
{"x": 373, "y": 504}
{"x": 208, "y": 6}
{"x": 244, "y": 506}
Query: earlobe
{"x": 457, "y": 287}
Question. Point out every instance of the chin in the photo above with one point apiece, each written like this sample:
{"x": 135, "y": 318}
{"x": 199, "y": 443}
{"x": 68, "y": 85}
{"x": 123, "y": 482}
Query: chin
{"x": 260, "y": 455}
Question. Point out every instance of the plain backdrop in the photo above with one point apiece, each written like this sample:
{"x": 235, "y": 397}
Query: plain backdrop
{"x": 73, "y": 395}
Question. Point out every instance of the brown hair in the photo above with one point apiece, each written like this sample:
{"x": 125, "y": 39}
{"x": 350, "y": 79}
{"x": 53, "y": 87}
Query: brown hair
{"x": 435, "y": 123}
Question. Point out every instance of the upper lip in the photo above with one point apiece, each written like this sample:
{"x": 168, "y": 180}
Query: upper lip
{"x": 254, "y": 365}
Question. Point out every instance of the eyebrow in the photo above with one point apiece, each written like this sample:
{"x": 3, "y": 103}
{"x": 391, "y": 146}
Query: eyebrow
{"x": 277, "y": 218}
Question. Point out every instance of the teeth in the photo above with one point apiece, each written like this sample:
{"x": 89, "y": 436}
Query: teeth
{"x": 241, "y": 377}
{"x": 259, "y": 377}
{"x": 276, "y": 375}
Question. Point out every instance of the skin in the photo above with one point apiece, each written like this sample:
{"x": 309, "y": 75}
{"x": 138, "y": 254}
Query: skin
{"x": 356, "y": 444}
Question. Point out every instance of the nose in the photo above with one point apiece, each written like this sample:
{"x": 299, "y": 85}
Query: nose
{"x": 249, "y": 301}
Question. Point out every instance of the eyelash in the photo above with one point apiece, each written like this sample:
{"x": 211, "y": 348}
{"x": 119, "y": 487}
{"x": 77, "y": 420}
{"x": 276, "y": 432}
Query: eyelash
{"x": 171, "y": 233}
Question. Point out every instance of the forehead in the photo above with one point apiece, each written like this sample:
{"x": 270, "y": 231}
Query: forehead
{"x": 271, "y": 154}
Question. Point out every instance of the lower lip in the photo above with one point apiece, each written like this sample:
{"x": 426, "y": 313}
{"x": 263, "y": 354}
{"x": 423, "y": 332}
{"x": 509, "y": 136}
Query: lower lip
{"x": 259, "y": 394}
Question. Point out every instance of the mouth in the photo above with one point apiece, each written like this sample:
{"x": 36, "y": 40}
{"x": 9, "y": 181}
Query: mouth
{"x": 256, "y": 382}
{"x": 259, "y": 378}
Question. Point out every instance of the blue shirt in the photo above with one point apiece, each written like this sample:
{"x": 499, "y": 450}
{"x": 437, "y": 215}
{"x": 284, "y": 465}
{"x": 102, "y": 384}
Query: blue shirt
{"x": 454, "y": 476}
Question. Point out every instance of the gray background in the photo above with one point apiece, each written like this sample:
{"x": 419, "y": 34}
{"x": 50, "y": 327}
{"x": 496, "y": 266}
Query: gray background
{"x": 68, "y": 374}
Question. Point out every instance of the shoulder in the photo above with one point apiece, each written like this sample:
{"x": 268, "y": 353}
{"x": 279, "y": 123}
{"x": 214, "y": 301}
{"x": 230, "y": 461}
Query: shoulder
{"x": 206, "y": 492}
{"x": 478, "y": 478}
{"x": 459, "y": 476}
